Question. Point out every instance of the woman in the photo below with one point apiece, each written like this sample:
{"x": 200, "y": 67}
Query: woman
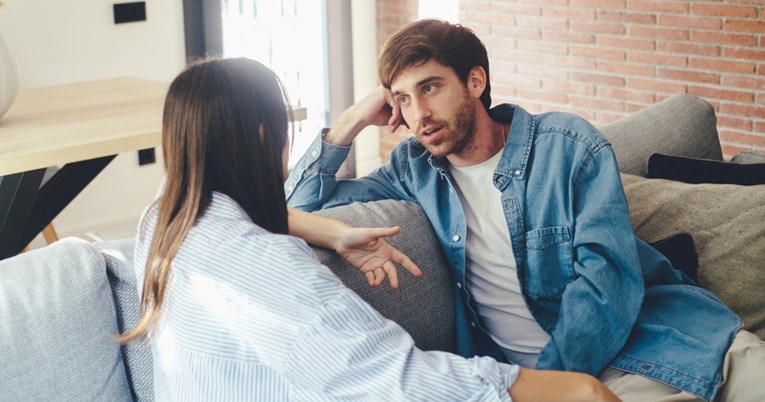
{"x": 236, "y": 309}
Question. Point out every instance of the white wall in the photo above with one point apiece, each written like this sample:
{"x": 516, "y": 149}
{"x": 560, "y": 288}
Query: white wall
{"x": 56, "y": 42}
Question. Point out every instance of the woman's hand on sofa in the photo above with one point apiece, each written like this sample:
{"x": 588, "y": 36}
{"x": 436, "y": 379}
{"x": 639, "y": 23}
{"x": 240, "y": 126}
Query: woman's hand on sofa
{"x": 365, "y": 249}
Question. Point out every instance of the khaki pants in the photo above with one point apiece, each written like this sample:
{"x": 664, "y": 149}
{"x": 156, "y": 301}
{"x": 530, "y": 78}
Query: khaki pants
{"x": 743, "y": 377}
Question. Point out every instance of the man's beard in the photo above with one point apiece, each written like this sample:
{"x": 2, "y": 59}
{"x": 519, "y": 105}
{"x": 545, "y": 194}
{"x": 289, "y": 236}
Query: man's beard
{"x": 458, "y": 133}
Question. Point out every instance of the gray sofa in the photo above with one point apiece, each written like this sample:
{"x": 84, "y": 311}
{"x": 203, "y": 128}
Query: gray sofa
{"x": 61, "y": 305}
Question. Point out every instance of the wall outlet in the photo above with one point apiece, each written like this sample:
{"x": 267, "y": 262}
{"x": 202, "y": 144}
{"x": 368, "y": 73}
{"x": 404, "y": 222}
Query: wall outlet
{"x": 146, "y": 157}
{"x": 129, "y": 12}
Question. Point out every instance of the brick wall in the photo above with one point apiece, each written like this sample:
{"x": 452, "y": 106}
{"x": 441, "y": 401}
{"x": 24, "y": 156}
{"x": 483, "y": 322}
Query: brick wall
{"x": 606, "y": 59}
{"x": 392, "y": 15}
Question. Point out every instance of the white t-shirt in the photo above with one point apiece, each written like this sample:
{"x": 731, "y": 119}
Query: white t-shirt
{"x": 491, "y": 274}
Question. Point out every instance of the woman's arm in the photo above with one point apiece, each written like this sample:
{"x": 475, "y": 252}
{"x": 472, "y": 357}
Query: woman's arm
{"x": 364, "y": 248}
{"x": 556, "y": 386}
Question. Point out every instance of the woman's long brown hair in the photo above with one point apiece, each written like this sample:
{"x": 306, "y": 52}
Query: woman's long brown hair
{"x": 224, "y": 129}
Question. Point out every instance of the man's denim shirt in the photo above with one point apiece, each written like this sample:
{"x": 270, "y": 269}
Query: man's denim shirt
{"x": 605, "y": 297}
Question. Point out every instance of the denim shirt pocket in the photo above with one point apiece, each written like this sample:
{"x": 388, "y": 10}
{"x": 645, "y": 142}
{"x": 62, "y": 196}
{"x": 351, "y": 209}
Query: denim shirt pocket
{"x": 549, "y": 266}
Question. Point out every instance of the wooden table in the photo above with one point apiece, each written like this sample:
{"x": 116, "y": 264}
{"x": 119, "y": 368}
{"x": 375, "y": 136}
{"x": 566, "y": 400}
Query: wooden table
{"x": 81, "y": 126}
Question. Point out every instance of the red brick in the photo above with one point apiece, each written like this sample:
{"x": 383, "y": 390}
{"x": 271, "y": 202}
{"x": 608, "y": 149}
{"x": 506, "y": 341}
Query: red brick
{"x": 658, "y": 32}
{"x": 751, "y": 110}
{"x": 598, "y": 4}
{"x": 552, "y": 2}
{"x": 736, "y": 123}
{"x": 508, "y": 9}
{"x": 570, "y": 62}
{"x": 597, "y": 52}
{"x": 544, "y": 96}
{"x": 597, "y": 27}
{"x": 520, "y": 81}
{"x": 536, "y": 22}
{"x": 658, "y": 6}
{"x": 502, "y": 66}
{"x": 760, "y": 127}
{"x": 569, "y": 87}
{"x": 685, "y": 75}
{"x": 743, "y": 82}
{"x": 475, "y": 6}
{"x": 543, "y": 71}
{"x": 690, "y": 22}
{"x": 656, "y": 85}
{"x": 597, "y": 78}
{"x": 716, "y": 64}
{"x": 721, "y": 94}
{"x": 724, "y": 10}
{"x": 503, "y": 31}
{"x": 688, "y": 48}
{"x": 743, "y": 53}
{"x": 743, "y": 139}
{"x": 597, "y": 103}
{"x": 658, "y": 58}
{"x": 569, "y": 13}
{"x": 625, "y": 43}
{"x": 540, "y": 46}
{"x": 760, "y": 99}
{"x": 626, "y": 68}
{"x": 633, "y": 107}
{"x": 486, "y": 18}
{"x": 722, "y": 37}
{"x": 627, "y": 17}
{"x": 567, "y": 37}
{"x": 745, "y": 26}
{"x": 626, "y": 94}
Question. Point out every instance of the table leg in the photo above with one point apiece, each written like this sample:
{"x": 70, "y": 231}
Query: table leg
{"x": 18, "y": 193}
{"x": 26, "y": 215}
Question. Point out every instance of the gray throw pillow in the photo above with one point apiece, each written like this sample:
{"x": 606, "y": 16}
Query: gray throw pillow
{"x": 423, "y": 306}
{"x": 727, "y": 223}
{"x": 56, "y": 323}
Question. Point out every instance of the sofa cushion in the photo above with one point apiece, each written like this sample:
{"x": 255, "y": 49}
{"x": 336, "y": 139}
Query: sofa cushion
{"x": 56, "y": 326}
{"x": 423, "y": 306}
{"x": 682, "y": 125}
{"x": 726, "y": 223}
{"x": 118, "y": 255}
{"x": 696, "y": 170}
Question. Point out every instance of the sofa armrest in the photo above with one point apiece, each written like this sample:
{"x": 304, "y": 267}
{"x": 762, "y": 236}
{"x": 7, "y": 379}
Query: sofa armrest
{"x": 681, "y": 125}
{"x": 423, "y": 306}
{"x": 57, "y": 319}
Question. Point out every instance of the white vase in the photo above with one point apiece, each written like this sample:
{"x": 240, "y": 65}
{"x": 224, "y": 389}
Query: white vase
{"x": 9, "y": 78}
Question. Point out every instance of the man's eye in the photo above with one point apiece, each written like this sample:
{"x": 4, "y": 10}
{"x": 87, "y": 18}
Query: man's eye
{"x": 402, "y": 100}
{"x": 428, "y": 89}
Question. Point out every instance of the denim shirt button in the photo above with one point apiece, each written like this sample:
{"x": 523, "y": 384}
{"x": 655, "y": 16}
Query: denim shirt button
{"x": 517, "y": 173}
{"x": 459, "y": 285}
{"x": 510, "y": 204}
{"x": 290, "y": 187}
{"x": 472, "y": 324}
{"x": 456, "y": 238}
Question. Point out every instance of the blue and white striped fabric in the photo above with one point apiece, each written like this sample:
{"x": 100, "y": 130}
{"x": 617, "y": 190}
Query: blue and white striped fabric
{"x": 253, "y": 316}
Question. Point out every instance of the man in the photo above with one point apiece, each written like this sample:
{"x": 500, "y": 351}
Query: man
{"x": 532, "y": 216}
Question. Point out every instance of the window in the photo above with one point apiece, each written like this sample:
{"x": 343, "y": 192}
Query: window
{"x": 288, "y": 37}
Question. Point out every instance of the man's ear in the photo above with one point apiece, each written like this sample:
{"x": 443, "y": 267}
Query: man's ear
{"x": 476, "y": 81}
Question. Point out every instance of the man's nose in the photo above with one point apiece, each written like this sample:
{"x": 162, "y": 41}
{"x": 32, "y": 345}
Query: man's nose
{"x": 420, "y": 110}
